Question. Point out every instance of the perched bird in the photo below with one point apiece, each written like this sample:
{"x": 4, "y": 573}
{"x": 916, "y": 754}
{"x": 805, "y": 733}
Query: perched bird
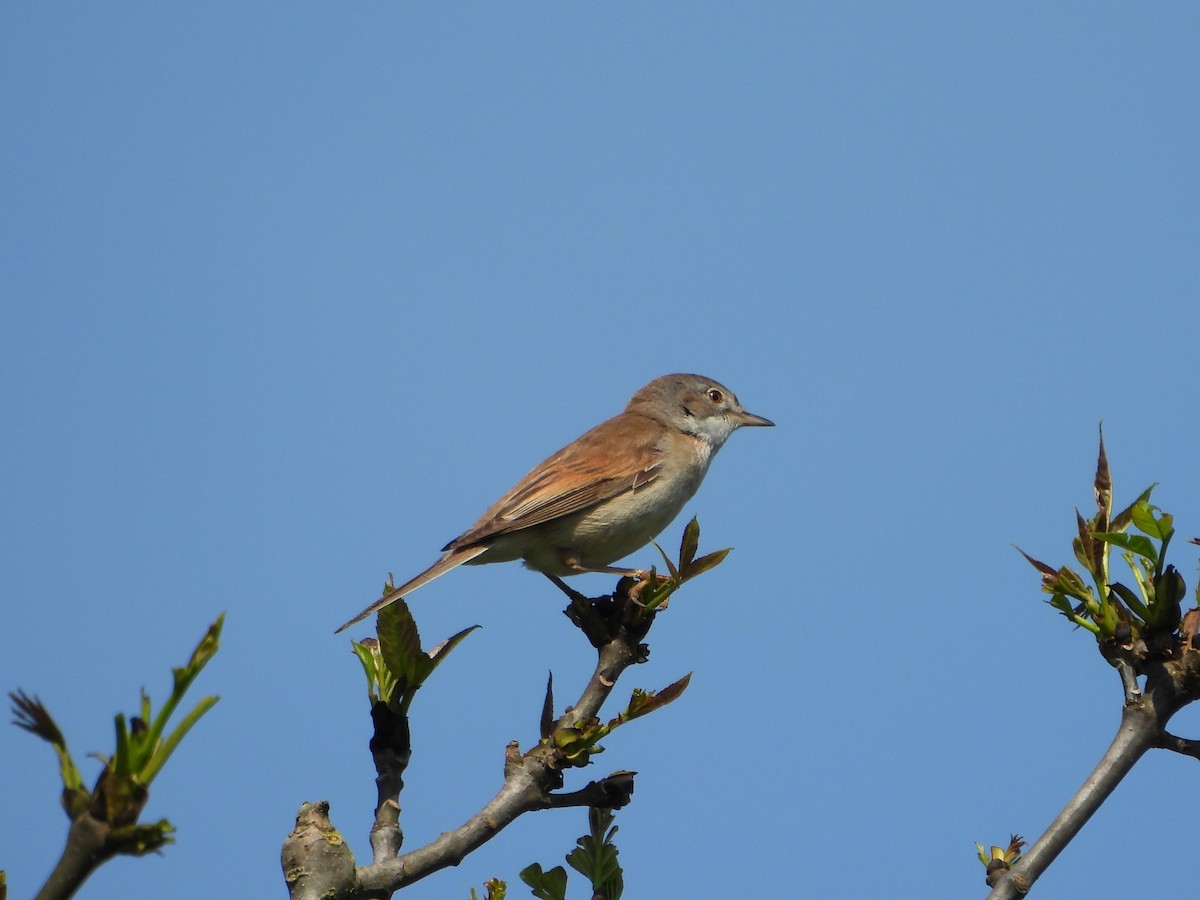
{"x": 607, "y": 493}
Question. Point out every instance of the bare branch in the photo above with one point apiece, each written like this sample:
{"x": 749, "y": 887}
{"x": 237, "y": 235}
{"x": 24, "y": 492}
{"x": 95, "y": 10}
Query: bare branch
{"x": 1129, "y": 683}
{"x": 1170, "y": 685}
{"x": 83, "y": 853}
{"x": 616, "y": 626}
{"x": 612, "y": 792}
{"x": 527, "y": 784}
{"x": 1137, "y": 734}
{"x": 391, "y": 749}
{"x": 317, "y": 863}
{"x": 1167, "y": 741}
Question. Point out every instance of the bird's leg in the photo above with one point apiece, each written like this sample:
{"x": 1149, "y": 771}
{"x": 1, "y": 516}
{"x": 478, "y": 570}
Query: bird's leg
{"x": 640, "y": 576}
{"x": 571, "y": 593}
{"x": 575, "y": 566}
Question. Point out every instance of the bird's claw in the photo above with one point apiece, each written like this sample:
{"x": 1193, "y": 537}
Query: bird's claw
{"x": 643, "y": 581}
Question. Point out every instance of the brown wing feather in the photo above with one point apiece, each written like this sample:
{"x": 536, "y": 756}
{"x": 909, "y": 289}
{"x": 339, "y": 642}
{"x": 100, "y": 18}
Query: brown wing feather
{"x": 614, "y": 457}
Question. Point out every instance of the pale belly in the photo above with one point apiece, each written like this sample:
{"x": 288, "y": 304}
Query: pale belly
{"x": 598, "y": 536}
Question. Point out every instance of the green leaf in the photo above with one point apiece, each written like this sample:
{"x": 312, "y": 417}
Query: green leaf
{"x": 1168, "y": 591}
{"x": 442, "y": 650}
{"x": 1122, "y": 520}
{"x": 496, "y": 890}
{"x": 1131, "y": 599}
{"x": 1144, "y": 519}
{"x": 576, "y": 743}
{"x": 400, "y": 643}
{"x": 121, "y": 791}
{"x": 163, "y": 752}
{"x": 1063, "y": 605}
{"x": 145, "y": 714}
{"x": 689, "y": 544}
{"x": 1066, "y": 581}
{"x": 1142, "y": 516}
{"x": 666, "y": 559}
{"x": 547, "y": 722}
{"x": 706, "y": 562}
{"x": 595, "y": 857}
{"x": 138, "y": 840}
{"x": 1134, "y": 543}
{"x": 550, "y": 885}
{"x": 141, "y": 741}
{"x": 182, "y": 679}
{"x": 655, "y": 593}
{"x": 368, "y": 656}
{"x": 642, "y": 703}
{"x": 205, "y": 651}
{"x": 1169, "y": 587}
{"x": 381, "y": 683}
{"x": 401, "y": 654}
{"x": 121, "y": 761}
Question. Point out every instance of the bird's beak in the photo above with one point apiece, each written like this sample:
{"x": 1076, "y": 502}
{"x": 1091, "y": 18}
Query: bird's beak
{"x": 745, "y": 418}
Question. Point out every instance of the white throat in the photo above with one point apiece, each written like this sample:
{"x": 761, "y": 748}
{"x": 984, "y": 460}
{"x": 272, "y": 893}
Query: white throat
{"x": 713, "y": 430}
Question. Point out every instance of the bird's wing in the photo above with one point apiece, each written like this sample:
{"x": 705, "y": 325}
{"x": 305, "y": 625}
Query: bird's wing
{"x": 614, "y": 457}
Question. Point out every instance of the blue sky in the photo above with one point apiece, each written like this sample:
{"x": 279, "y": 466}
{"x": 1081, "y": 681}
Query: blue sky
{"x": 293, "y": 292}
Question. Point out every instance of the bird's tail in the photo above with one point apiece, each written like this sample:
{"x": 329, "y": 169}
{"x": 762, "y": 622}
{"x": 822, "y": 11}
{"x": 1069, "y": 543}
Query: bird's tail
{"x": 449, "y": 561}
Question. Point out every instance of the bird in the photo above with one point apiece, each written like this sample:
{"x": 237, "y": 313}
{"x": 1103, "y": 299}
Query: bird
{"x": 606, "y": 494}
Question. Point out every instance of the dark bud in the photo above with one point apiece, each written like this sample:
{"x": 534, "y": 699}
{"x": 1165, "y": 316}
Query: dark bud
{"x": 1123, "y": 634}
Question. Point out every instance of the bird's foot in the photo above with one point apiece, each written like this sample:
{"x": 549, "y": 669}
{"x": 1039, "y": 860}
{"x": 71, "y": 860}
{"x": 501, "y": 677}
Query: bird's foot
{"x": 642, "y": 580}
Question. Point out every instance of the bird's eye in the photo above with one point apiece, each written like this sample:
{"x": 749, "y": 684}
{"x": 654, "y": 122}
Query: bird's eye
{"x": 715, "y": 396}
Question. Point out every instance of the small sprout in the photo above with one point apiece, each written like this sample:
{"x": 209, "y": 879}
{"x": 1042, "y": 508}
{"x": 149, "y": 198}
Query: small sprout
{"x": 577, "y": 742}
{"x": 395, "y": 665}
{"x": 550, "y": 885}
{"x": 1115, "y": 613}
{"x": 1000, "y": 859}
{"x": 496, "y": 890}
{"x": 141, "y": 751}
{"x": 660, "y": 588}
{"x": 594, "y": 857}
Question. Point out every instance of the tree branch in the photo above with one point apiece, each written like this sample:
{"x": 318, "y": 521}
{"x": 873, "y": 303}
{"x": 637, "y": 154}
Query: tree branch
{"x": 391, "y": 749}
{"x": 616, "y": 627}
{"x": 1171, "y": 684}
{"x": 1137, "y": 734}
{"x": 318, "y": 863}
{"x": 1128, "y": 680}
{"x": 1168, "y": 741}
{"x": 527, "y": 785}
{"x": 612, "y": 792}
{"x": 85, "y": 851}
